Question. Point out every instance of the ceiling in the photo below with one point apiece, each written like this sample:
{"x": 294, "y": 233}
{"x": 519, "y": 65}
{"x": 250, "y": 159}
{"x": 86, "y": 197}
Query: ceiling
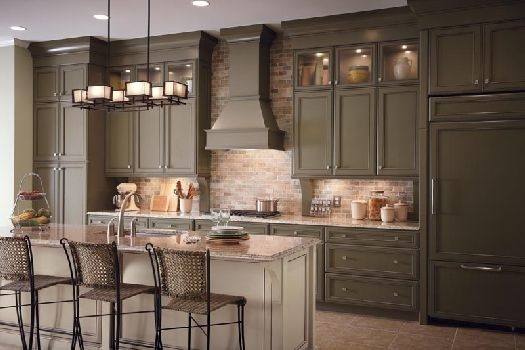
{"x": 58, "y": 19}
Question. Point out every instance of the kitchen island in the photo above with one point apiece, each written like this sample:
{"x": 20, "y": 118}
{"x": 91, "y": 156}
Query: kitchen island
{"x": 275, "y": 274}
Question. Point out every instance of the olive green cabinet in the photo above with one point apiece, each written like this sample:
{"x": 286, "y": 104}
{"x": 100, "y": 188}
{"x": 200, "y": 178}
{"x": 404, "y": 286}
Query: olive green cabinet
{"x": 46, "y": 84}
{"x": 49, "y": 175}
{"x": 119, "y": 143}
{"x": 149, "y": 141}
{"x": 180, "y": 144}
{"x": 55, "y": 83}
{"x": 354, "y": 132}
{"x": 477, "y": 58}
{"x": 74, "y": 76}
{"x": 397, "y": 131}
{"x": 313, "y": 133}
{"x": 476, "y": 201}
{"x": 60, "y": 132}
{"x": 176, "y": 224}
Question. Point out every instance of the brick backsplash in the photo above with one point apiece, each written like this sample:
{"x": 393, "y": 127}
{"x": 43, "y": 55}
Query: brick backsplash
{"x": 239, "y": 177}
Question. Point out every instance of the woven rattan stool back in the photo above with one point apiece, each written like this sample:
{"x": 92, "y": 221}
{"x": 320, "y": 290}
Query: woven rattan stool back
{"x": 14, "y": 258}
{"x": 95, "y": 264}
{"x": 183, "y": 273}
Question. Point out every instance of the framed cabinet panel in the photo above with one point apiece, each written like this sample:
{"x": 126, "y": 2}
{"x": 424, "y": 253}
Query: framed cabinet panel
{"x": 119, "y": 76}
{"x": 180, "y": 139}
{"x": 73, "y": 132}
{"x": 149, "y": 141}
{"x": 72, "y": 194}
{"x": 313, "y": 69}
{"x": 71, "y": 77}
{"x": 119, "y": 143}
{"x": 46, "y": 83}
{"x": 476, "y": 201}
{"x": 49, "y": 174}
{"x": 455, "y": 60}
{"x": 397, "y": 131}
{"x": 356, "y": 65}
{"x": 46, "y": 131}
{"x": 313, "y": 133}
{"x": 354, "y": 132}
{"x": 399, "y": 62}
{"x": 183, "y": 72}
{"x": 504, "y": 56}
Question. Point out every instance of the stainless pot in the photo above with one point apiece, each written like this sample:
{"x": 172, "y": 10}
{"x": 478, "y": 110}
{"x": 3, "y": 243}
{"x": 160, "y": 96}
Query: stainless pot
{"x": 266, "y": 205}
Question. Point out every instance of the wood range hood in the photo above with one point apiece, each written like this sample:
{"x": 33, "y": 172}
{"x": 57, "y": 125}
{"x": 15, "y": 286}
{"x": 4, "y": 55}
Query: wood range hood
{"x": 247, "y": 121}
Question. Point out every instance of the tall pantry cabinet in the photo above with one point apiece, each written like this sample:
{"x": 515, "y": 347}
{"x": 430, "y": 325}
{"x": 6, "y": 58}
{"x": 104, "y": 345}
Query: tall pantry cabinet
{"x": 68, "y": 141}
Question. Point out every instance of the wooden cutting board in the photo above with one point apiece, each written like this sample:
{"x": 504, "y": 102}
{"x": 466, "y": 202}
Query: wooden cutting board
{"x": 159, "y": 203}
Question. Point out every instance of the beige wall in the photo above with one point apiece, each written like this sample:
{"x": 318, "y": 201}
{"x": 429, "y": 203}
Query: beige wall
{"x": 16, "y": 123}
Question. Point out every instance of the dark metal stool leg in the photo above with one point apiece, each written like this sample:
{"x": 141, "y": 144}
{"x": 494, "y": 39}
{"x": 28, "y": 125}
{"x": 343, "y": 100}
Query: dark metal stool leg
{"x": 118, "y": 325}
{"x": 18, "y": 300}
{"x": 32, "y": 326}
{"x": 239, "y": 325}
{"x": 208, "y": 330}
{"x": 242, "y": 327}
{"x": 189, "y": 331}
{"x": 37, "y": 321}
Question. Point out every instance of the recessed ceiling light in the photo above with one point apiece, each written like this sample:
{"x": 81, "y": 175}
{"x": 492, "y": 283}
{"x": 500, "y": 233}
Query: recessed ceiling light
{"x": 319, "y": 54}
{"x": 188, "y": 65}
{"x": 200, "y": 3}
{"x": 404, "y": 47}
{"x": 157, "y": 68}
{"x": 18, "y": 28}
{"x": 101, "y": 17}
{"x": 127, "y": 70}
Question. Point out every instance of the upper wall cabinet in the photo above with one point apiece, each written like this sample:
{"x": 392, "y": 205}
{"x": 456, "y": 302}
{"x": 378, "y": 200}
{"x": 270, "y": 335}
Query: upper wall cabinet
{"x": 182, "y": 72}
{"x": 355, "y": 65}
{"x": 313, "y": 69}
{"x": 477, "y": 58}
{"x": 398, "y": 62}
{"x": 46, "y": 84}
{"x": 55, "y": 83}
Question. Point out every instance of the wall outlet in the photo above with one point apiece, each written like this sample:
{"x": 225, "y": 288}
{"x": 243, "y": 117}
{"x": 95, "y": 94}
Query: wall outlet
{"x": 336, "y": 202}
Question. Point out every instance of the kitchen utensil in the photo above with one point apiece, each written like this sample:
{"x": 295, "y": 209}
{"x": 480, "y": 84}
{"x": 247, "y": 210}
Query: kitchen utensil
{"x": 159, "y": 203}
{"x": 387, "y": 213}
{"x": 358, "y": 74}
{"x": 216, "y": 216}
{"x": 358, "y": 208}
{"x": 376, "y": 201}
{"x": 401, "y": 211}
{"x": 266, "y": 205}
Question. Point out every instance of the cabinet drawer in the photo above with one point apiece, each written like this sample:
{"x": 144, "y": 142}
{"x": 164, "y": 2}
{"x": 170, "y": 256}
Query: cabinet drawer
{"x": 104, "y": 220}
{"x": 297, "y": 230}
{"x": 176, "y": 224}
{"x": 141, "y": 222}
{"x": 370, "y": 291}
{"x": 203, "y": 224}
{"x": 98, "y": 220}
{"x": 389, "y": 262}
{"x": 387, "y": 238}
{"x": 477, "y": 292}
{"x": 253, "y": 228}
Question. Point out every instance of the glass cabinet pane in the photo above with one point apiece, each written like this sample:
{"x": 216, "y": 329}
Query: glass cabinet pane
{"x": 313, "y": 69}
{"x": 399, "y": 61}
{"x": 119, "y": 76}
{"x": 355, "y": 65}
{"x": 181, "y": 72}
{"x": 155, "y": 74}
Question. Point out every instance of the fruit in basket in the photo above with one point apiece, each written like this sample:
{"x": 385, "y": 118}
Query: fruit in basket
{"x": 30, "y": 195}
{"x": 26, "y": 215}
{"x": 44, "y": 212}
{"x": 41, "y": 220}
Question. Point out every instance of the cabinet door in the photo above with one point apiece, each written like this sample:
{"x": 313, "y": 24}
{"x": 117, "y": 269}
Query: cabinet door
{"x": 356, "y": 65}
{"x": 71, "y": 77}
{"x": 119, "y": 143}
{"x": 149, "y": 141}
{"x": 313, "y": 133}
{"x": 504, "y": 56}
{"x": 73, "y": 129}
{"x": 48, "y": 174}
{"x": 354, "y": 132}
{"x": 46, "y": 131}
{"x": 313, "y": 69}
{"x": 455, "y": 60}
{"x": 72, "y": 198}
{"x": 46, "y": 84}
{"x": 180, "y": 139}
{"x": 397, "y": 131}
{"x": 477, "y": 195}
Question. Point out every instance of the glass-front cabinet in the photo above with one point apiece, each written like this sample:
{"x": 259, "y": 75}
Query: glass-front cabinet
{"x": 181, "y": 72}
{"x": 313, "y": 69}
{"x": 156, "y": 75}
{"x": 355, "y": 65}
{"x": 399, "y": 61}
{"x": 119, "y": 76}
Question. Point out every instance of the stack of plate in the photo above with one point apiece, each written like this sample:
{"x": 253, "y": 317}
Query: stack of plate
{"x": 227, "y": 234}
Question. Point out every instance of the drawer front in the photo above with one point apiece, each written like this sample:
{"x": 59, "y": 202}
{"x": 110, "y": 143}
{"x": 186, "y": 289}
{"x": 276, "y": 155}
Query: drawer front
{"x": 141, "y": 222}
{"x": 375, "y": 261}
{"x": 370, "y": 291}
{"x": 387, "y": 238}
{"x": 297, "y": 230}
{"x": 98, "y": 220}
{"x": 203, "y": 224}
{"x": 175, "y": 224}
{"x": 252, "y": 228}
{"x": 477, "y": 293}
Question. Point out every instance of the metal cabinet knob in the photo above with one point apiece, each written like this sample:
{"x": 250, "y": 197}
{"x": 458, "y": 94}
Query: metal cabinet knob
{"x": 344, "y": 289}
{"x": 54, "y": 94}
{"x": 487, "y": 81}
{"x": 336, "y": 82}
{"x": 476, "y": 82}
{"x": 395, "y": 261}
{"x": 328, "y": 167}
{"x": 55, "y": 154}
{"x": 54, "y": 169}
{"x": 336, "y": 167}
{"x": 379, "y": 79}
{"x": 129, "y": 166}
{"x": 329, "y": 82}
{"x": 160, "y": 166}
{"x": 60, "y": 154}
{"x": 396, "y": 294}
{"x": 379, "y": 167}
{"x": 343, "y": 236}
{"x": 165, "y": 167}
{"x": 344, "y": 257}
{"x": 295, "y": 233}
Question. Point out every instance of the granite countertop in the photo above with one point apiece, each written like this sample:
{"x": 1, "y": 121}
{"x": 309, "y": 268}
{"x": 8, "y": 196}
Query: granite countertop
{"x": 259, "y": 248}
{"x": 282, "y": 219}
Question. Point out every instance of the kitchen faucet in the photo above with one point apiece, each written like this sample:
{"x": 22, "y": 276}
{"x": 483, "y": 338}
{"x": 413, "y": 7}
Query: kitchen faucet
{"x": 120, "y": 230}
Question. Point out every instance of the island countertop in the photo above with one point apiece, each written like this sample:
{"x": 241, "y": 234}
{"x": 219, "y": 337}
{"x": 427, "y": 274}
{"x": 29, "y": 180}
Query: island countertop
{"x": 281, "y": 219}
{"x": 258, "y": 248}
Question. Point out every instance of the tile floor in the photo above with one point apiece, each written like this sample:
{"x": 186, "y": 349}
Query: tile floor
{"x": 346, "y": 331}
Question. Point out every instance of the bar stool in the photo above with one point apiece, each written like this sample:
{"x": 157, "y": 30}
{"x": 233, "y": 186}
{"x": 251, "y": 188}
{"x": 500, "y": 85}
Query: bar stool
{"x": 97, "y": 266}
{"x": 184, "y": 276}
{"x": 16, "y": 265}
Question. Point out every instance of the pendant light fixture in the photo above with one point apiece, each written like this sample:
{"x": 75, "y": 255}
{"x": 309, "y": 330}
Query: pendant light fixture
{"x": 137, "y": 95}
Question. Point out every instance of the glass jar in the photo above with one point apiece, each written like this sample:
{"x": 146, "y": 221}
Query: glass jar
{"x": 376, "y": 201}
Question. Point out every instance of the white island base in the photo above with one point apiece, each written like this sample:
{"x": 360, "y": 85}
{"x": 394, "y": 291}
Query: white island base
{"x": 279, "y": 313}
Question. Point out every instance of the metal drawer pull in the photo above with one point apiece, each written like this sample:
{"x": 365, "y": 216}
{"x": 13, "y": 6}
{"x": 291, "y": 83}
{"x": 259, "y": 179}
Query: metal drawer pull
{"x": 129, "y": 166}
{"x": 481, "y": 268}
{"x": 433, "y": 196}
{"x": 395, "y": 261}
{"x": 396, "y": 294}
{"x": 97, "y": 222}
{"x": 476, "y": 82}
{"x": 344, "y": 289}
{"x": 295, "y": 233}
